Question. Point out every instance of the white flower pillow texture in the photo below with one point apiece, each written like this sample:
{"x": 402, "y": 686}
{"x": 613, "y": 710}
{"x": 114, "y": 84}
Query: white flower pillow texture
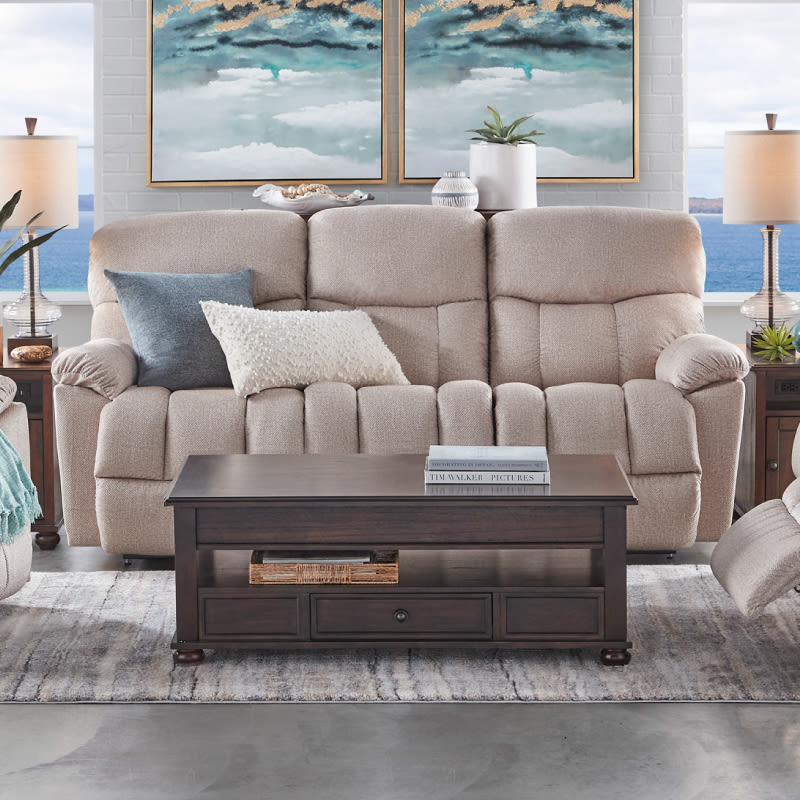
{"x": 266, "y": 349}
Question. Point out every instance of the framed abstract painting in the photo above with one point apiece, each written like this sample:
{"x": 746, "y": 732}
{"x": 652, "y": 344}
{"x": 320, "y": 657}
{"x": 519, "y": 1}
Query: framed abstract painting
{"x": 571, "y": 63}
{"x": 254, "y": 91}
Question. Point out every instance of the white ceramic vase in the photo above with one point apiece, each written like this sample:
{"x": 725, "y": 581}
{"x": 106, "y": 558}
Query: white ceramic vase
{"x": 505, "y": 175}
{"x": 454, "y": 189}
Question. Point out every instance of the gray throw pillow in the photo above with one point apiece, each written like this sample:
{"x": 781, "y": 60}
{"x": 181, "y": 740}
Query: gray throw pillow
{"x": 174, "y": 345}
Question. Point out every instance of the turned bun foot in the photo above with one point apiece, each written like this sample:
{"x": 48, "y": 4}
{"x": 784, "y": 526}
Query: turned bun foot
{"x": 47, "y": 541}
{"x": 615, "y": 658}
{"x": 188, "y": 656}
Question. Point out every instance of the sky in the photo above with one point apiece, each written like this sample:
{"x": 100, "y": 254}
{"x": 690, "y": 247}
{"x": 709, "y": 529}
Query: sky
{"x": 744, "y": 61}
{"x": 48, "y": 67}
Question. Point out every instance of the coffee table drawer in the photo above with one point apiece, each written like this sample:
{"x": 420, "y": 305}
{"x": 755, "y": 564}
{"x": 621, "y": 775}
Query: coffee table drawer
{"x": 232, "y": 617}
{"x": 571, "y": 614}
{"x": 411, "y": 616}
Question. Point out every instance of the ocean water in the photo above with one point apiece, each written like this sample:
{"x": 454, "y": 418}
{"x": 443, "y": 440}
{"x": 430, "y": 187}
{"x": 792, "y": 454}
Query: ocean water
{"x": 63, "y": 261}
{"x": 733, "y": 257}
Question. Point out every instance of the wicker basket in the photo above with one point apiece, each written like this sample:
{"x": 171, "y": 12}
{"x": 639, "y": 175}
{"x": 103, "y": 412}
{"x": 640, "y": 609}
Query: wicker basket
{"x": 383, "y": 568}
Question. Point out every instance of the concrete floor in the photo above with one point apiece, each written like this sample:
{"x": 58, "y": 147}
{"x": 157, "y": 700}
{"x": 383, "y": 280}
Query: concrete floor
{"x": 382, "y": 752}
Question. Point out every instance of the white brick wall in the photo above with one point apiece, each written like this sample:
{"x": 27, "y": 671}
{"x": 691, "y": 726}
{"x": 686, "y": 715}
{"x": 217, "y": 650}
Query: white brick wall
{"x": 122, "y": 127}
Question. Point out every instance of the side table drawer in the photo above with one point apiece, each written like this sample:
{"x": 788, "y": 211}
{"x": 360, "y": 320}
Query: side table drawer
{"x": 552, "y": 615}
{"x": 230, "y": 617}
{"x": 411, "y": 616}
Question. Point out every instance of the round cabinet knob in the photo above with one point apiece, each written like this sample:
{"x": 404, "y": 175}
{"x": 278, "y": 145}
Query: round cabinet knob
{"x": 772, "y": 466}
{"x": 401, "y": 615}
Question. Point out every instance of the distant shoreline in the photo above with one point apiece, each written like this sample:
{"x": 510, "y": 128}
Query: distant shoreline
{"x": 705, "y": 205}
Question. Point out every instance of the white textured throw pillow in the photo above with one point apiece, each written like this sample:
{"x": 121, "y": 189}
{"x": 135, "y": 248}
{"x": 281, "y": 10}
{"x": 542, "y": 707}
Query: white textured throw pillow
{"x": 265, "y": 349}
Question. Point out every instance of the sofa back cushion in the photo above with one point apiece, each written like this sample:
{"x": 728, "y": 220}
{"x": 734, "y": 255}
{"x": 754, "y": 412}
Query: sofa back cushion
{"x": 419, "y": 272}
{"x": 590, "y": 294}
{"x": 272, "y": 244}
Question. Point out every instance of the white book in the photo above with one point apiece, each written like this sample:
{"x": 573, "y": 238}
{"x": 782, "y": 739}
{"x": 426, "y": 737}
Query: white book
{"x": 313, "y": 557}
{"x": 487, "y": 489}
{"x": 486, "y": 476}
{"x": 487, "y": 457}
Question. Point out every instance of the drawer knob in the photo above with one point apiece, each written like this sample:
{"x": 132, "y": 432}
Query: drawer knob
{"x": 772, "y": 466}
{"x": 401, "y": 615}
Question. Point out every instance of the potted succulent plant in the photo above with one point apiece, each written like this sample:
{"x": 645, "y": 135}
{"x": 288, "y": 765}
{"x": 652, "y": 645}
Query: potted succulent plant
{"x": 502, "y": 164}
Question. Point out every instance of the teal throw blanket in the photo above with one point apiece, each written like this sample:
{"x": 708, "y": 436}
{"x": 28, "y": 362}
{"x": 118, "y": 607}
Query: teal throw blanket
{"x": 19, "y": 501}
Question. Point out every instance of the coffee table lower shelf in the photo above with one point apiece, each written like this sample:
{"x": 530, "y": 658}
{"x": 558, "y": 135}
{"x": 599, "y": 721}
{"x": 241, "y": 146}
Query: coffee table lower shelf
{"x": 442, "y": 600}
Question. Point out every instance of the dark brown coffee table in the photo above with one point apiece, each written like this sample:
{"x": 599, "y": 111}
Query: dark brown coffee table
{"x": 487, "y": 566}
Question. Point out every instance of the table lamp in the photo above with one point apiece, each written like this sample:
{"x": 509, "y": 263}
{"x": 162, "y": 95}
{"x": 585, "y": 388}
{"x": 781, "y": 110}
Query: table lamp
{"x": 45, "y": 168}
{"x": 762, "y": 187}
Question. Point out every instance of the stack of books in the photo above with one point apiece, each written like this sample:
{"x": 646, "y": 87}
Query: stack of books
{"x": 323, "y": 566}
{"x": 489, "y": 464}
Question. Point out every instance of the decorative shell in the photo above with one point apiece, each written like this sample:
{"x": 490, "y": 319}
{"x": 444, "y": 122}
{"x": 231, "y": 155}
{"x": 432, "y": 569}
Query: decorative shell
{"x": 306, "y": 198}
{"x": 32, "y": 352}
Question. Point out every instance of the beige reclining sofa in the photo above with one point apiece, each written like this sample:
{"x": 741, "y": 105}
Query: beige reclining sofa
{"x": 577, "y": 328}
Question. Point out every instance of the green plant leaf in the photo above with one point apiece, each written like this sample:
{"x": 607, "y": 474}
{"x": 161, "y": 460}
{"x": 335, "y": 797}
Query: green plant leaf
{"x": 517, "y": 122}
{"x": 8, "y": 208}
{"x": 20, "y": 251}
{"x": 497, "y": 133}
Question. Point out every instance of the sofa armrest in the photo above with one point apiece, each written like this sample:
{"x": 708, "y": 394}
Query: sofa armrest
{"x": 8, "y": 391}
{"x": 107, "y": 366}
{"x": 698, "y": 359}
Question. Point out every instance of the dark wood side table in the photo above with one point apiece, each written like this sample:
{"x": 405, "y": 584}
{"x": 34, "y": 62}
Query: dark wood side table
{"x": 771, "y": 417}
{"x": 35, "y": 390}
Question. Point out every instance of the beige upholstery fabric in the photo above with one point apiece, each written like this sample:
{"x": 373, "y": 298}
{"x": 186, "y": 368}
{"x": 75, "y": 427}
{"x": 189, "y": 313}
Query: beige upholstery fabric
{"x": 148, "y": 522}
{"x": 202, "y": 422}
{"x": 331, "y": 418}
{"x": 270, "y": 243}
{"x": 515, "y": 344}
{"x": 594, "y": 254}
{"x": 465, "y": 413}
{"x": 142, "y": 409}
{"x": 520, "y": 416}
{"x": 718, "y": 412}
{"x": 559, "y": 324}
{"x": 77, "y": 424}
{"x": 758, "y": 558}
{"x": 106, "y": 366}
{"x": 397, "y": 419}
{"x": 274, "y": 422}
{"x": 580, "y": 309}
{"x": 561, "y": 275}
{"x": 588, "y": 418}
{"x": 693, "y": 361}
{"x": 648, "y": 324}
{"x": 796, "y": 456}
{"x": 15, "y": 557}
{"x": 420, "y": 273}
{"x": 8, "y": 390}
{"x": 662, "y": 431}
{"x": 668, "y": 511}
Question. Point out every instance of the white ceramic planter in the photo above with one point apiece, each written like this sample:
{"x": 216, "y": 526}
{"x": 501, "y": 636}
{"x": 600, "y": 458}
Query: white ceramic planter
{"x": 505, "y": 175}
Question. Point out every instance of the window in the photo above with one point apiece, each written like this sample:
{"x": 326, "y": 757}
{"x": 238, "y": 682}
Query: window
{"x": 48, "y": 73}
{"x": 743, "y": 62}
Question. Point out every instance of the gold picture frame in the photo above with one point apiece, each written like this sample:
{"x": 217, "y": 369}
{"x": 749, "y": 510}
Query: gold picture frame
{"x": 246, "y": 93}
{"x": 575, "y": 66}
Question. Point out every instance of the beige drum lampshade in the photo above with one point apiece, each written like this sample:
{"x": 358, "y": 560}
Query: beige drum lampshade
{"x": 46, "y": 169}
{"x": 762, "y": 177}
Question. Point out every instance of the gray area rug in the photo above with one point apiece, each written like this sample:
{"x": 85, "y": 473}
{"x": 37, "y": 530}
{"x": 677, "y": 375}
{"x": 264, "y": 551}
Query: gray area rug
{"x": 104, "y": 636}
